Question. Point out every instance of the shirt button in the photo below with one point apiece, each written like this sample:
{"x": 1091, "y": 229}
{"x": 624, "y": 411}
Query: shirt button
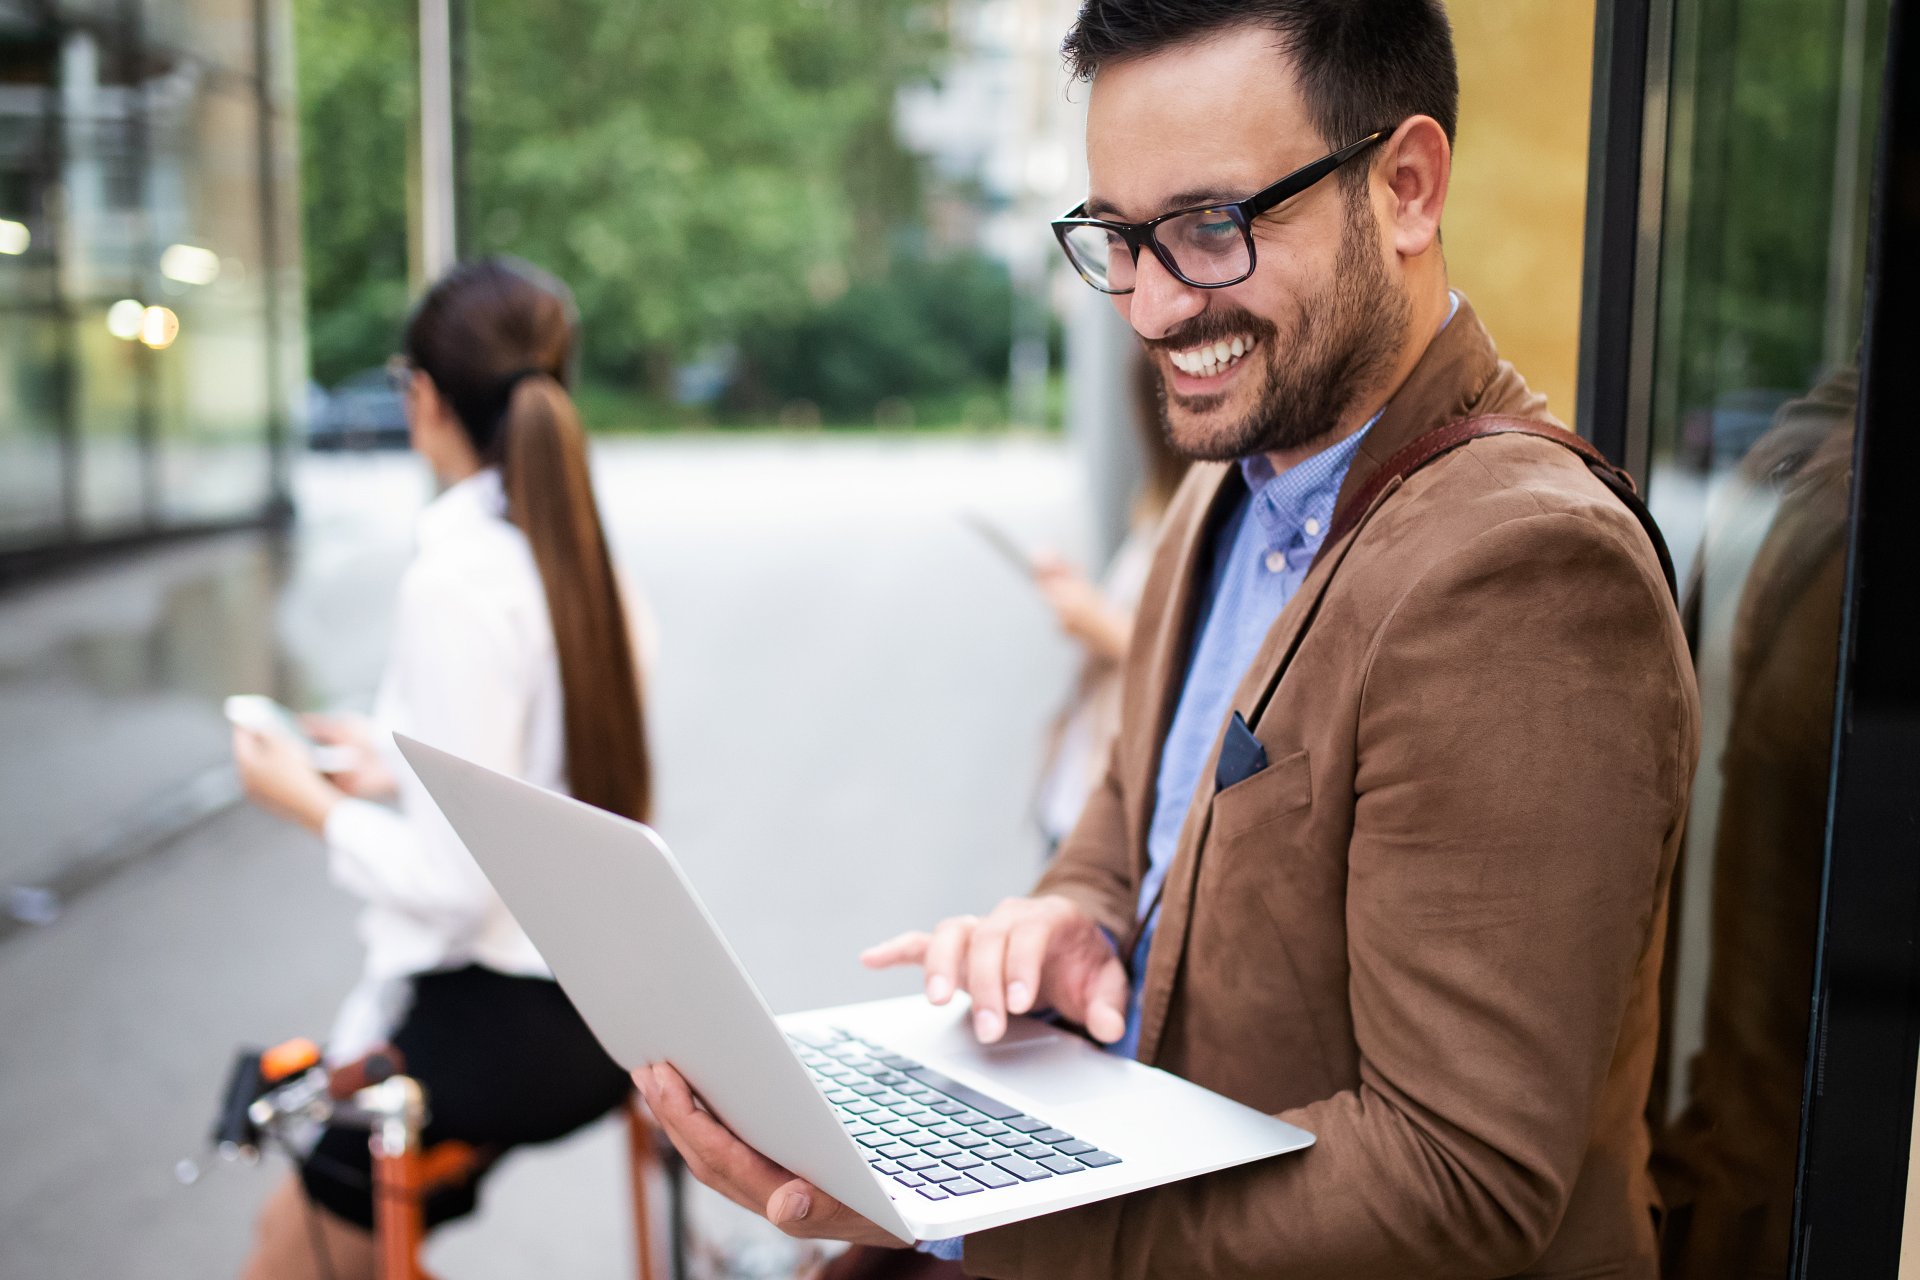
{"x": 1312, "y": 527}
{"x": 1276, "y": 561}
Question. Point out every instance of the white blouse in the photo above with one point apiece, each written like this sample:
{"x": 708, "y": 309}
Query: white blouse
{"x": 472, "y": 670}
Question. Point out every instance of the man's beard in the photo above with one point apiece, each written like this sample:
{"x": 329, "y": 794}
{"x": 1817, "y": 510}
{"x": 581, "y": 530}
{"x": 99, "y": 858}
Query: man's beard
{"x": 1342, "y": 343}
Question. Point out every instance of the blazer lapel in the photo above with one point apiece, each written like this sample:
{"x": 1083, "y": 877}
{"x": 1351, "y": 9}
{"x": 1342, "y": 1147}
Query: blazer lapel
{"x": 1455, "y": 373}
{"x": 1176, "y": 899}
{"x": 1172, "y": 641}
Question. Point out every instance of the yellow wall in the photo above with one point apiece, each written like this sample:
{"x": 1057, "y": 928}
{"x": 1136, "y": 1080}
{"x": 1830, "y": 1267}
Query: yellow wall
{"x": 1514, "y": 224}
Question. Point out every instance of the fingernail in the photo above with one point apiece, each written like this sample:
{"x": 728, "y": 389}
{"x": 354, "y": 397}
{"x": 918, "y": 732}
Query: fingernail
{"x": 793, "y": 1207}
{"x": 1018, "y": 997}
{"x": 938, "y": 989}
{"x": 986, "y": 1024}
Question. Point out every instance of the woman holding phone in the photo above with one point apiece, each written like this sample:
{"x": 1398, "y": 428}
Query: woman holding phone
{"x": 513, "y": 647}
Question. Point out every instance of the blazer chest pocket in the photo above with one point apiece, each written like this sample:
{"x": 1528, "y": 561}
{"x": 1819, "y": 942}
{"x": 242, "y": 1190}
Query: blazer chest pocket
{"x": 1275, "y": 791}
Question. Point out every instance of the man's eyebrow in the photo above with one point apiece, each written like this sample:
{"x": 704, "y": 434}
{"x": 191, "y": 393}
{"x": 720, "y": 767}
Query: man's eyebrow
{"x": 1097, "y": 208}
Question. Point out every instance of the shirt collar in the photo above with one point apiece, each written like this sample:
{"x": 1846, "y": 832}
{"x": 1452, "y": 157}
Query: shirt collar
{"x": 477, "y": 499}
{"x": 1287, "y": 502}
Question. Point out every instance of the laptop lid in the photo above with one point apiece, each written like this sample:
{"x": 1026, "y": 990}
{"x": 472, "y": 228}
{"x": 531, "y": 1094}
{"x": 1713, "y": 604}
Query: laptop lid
{"x": 622, "y": 929}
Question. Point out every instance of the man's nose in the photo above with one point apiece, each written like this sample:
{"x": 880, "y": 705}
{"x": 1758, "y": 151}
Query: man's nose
{"x": 1160, "y": 301}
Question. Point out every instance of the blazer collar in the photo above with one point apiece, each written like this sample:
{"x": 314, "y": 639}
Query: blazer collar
{"x": 1452, "y": 376}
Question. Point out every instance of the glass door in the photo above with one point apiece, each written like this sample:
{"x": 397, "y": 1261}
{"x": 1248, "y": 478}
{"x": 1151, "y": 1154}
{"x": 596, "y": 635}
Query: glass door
{"x": 1755, "y": 385}
{"x": 1752, "y": 272}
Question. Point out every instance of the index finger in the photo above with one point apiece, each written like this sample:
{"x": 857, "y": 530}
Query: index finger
{"x": 906, "y": 948}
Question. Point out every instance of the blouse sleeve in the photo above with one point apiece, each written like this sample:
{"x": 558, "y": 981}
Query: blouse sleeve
{"x": 461, "y": 674}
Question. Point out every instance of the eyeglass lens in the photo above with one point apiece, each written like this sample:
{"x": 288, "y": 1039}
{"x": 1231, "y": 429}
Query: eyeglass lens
{"x": 1208, "y": 246}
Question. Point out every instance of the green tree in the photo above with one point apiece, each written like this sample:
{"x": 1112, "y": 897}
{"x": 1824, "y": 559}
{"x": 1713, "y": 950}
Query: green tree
{"x": 923, "y": 328}
{"x": 356, "y": 84}
{"x": 694, "y": 170}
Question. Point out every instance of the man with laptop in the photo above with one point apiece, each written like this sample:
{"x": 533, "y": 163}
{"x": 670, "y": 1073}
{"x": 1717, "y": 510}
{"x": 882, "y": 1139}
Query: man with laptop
{"x": 1381, "y": 860}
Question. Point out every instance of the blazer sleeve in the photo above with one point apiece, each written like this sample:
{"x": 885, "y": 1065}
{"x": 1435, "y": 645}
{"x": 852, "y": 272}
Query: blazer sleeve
{"x": 1526, "y": 734}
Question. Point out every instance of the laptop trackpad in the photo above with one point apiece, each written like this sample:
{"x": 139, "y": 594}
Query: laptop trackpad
{"x": 1051, "y": 1069}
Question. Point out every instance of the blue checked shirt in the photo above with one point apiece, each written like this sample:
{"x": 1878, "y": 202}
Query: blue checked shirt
{"x": 1260, "y": 556}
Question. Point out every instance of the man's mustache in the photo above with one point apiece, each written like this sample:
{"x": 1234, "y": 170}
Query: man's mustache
{"x": 1212, "y": 326}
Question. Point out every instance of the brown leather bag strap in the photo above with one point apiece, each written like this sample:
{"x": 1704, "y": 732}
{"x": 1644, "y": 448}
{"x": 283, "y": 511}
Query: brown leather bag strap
{"x": 1444, "y": 439}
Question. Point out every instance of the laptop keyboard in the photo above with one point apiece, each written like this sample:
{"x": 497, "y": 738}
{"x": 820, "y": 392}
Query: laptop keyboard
{"x": 927, "y": 1131}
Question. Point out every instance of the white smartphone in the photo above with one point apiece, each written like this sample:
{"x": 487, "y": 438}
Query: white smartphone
{"x": 262, "y": 714}
{"x": 1001, "y": 541}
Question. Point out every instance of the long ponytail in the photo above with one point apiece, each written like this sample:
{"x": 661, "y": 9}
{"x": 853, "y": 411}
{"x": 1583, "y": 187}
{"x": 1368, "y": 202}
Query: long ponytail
{"x": 550, "y": 497}
{"x": 497, "y": 337}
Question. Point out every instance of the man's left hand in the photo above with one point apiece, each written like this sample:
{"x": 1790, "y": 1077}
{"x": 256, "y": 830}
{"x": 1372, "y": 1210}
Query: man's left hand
{"x": 743, "y": 1175}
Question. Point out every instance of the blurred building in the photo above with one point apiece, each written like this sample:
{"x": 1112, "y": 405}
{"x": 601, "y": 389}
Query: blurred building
{"x": 1002, "y": 144}
{"x": 152, "y": 351}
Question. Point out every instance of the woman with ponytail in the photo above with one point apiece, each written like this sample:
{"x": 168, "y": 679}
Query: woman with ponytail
{"x": 513, "y": 647}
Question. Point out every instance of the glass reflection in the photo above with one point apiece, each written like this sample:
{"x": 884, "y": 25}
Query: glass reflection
{"x": 1755, "y": 386}
{"x": 140, "y": 373}
{"x": 1726, "y": 1164}
{"x": 30, "y": 481}
{"x": 212, "y": 385}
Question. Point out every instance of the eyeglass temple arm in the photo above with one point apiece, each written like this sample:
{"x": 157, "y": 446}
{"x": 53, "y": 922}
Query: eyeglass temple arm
{"x": 1300, "y": 179}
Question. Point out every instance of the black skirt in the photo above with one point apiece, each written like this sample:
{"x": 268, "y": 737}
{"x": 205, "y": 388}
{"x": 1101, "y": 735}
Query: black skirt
{"x": 504, "y": 1061}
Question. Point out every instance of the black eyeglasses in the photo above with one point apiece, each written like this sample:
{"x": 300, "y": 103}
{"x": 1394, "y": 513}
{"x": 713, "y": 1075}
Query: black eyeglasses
{"x": 1208, "y": 247}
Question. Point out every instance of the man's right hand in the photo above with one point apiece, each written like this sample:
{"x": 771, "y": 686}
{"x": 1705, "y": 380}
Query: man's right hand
{"x": 1031, "y": 953}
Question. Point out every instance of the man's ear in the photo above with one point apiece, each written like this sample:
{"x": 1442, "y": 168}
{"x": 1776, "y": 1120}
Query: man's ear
{"x": 1414, "y": 168}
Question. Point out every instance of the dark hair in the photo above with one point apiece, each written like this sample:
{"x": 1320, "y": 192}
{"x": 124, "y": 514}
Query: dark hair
{"x": 497, "y": 338}
{"x": 1362, "y": 64}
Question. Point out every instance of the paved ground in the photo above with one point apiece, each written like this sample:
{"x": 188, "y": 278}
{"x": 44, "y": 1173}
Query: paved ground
{"x": 851, "y": 692}
{"x": 116, "y": 673}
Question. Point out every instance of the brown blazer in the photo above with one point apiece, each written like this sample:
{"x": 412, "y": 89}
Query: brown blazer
{"x": 1430, "y": 930}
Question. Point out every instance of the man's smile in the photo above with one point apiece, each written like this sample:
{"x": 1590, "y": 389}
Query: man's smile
{"x": 1205, "y": 368}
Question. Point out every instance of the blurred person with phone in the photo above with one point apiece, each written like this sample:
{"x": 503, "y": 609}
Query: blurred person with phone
{"x": 1098, "y": 616}
{"x": 513, "y": 646}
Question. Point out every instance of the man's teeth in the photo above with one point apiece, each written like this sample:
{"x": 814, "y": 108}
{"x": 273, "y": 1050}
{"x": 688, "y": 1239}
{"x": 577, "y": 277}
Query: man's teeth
{"x": 1206, "y": 361}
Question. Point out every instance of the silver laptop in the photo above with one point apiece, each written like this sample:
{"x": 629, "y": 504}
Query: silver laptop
{"x": 890, "y": 1106}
